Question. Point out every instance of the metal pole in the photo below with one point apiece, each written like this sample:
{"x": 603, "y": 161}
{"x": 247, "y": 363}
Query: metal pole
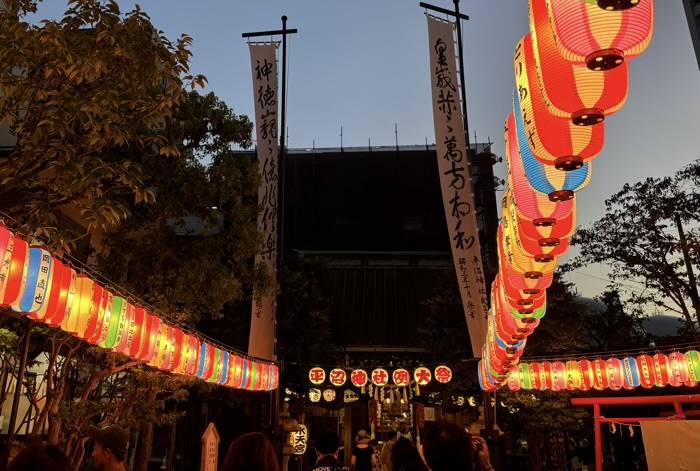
{"x": 461, "y": 77}
{"x": 18, "y": 387}
{"x": 693, "y": 291}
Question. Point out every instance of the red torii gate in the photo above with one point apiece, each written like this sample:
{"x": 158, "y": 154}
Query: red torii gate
{"x": 596, "y": 402}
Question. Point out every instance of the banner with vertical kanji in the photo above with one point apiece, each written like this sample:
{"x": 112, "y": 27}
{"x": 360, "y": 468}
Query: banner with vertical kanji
{"x": 455, "y": 179}
{"x": 263, "y": 57}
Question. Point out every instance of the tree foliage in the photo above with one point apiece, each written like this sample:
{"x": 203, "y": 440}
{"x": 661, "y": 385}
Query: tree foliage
{"x": 76, "y": 91}
{"x": 638, "y": 240}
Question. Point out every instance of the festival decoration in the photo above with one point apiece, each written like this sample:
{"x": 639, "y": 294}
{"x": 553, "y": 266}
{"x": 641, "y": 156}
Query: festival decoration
{"x": 552, "y": 140}
{"x": 568, "y": 90}
{"x": 443, "y": 374}
{"x": 329, "y": 395}
{"x": 401, "y": 377}
{"x": 614, "y": 373}
{"x": 298, "y": 439}
{"x": 14, "y": 266}
{"x": 358, "y": 378}
{"x": 380, "y": 377}
{"x": 338, "y": 377}
{"x": 317, "y": 375}
{"x": 598, "y": 38}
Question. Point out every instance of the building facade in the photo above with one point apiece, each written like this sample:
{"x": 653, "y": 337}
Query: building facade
{"x": 692, "y": 12}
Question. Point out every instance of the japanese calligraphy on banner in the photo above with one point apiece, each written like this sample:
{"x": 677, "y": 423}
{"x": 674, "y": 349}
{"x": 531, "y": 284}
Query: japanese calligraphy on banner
{"x": 455, "y": 179}
{"x": 263, "y": 57}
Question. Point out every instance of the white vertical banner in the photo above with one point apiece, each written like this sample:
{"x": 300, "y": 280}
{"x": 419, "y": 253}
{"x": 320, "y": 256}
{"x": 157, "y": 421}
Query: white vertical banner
{"x": 263, "y": 57}
{"x": 455, "y": 179}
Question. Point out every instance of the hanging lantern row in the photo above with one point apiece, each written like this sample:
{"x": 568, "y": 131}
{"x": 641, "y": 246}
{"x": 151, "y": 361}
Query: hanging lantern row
{"x": 37, "y": 284}
{"x": 571, "y": 74}
{"x": 648, "y": 371}
{"x": 379, "y": 376}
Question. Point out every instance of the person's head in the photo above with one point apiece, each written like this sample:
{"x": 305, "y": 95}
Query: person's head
{"x": 448, "y": 446}
{"x": 374, "y": 443}
{"x": 251, "y": 452}
{"x": 327, "y": 443}
{"x": 362, "y": 438}
{"x": 392, "y": 434}
{"x": 40, "y": 458}
{"x": 111, "y": 445}
{"x": 405, "y": 456}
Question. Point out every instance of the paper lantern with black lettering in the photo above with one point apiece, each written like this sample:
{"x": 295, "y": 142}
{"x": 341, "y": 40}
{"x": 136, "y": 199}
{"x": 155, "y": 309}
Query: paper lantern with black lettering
{"x": 679, "y": 370}
{"x": 647, "y": 374}
{"x": 53, "y": 293}
{"x": 692, "y": 361}
{"x": 631, "y": 369}
{"x": 553, "y": 140}
{"x": 37, "y": 280}
{"x": 154, "y": 327}
{"x": 600, "y": 375}
{"x": 59, "y": 308}
{"x": 236, "y": 371}
{"x": 556, "y": 184}
{"x": 99, "y": 317}
{"x": 518, "y": 260}
{"x": 616, "y": 374}
{"x": 587, "y": 373}
{"x": 136, "y": 329}
{"x": 661, "y": 369}
{"x": 122, "y": 341}
{"x": 585, "y": 96}
{"x": 599, "y": 39}
{"x": 14, "y": 268}
{"x": 573, "y": 375}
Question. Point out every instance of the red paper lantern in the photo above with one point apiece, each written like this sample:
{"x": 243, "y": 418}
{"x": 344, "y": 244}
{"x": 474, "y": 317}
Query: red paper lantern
{"x": 401, "y": 377}
{"x": 661, "y": 369}
{"x": 443, "y": 374}
{"x": 647, "y": 373}
{"x": 236, "y": 376}
{"x": 137, "y": 331}
{"x": 513, "y": 380}
{"x": 317, "y": 375}
{"x": 60, "y": 306}
{"x": 553, "y": 140}
{"x": 359, "y": 378}
{"x": 179, "y": 351}
{"x": 587, "y": 373}
{"x": 96, "y": 315}
{"x": 615, "y": 374}
{"x": 569, "y": 90}
{"x": 519, "y": 260}
{"x": 153, "y": 325}
{"x": 380, "y": 377}
{"x": 600, "y": 39}
{"x": 600, "y": 370}
{"x": 14, "y": 266}
{"x": 679, "y": 370}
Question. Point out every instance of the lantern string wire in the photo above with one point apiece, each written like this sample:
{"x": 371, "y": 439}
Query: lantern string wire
{"x": 83, "y": 268}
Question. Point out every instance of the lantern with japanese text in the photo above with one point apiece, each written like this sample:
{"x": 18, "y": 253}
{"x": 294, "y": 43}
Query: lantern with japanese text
{"x": 314, "y": 395}
{"x": 520, "y": 261}
{"x": 52, "y": 293}
{"x": 338, "y": 377}
{"x": 401, "y": 377}
{"x": 443, "y": 374}
{"x": 179, "y": 352}
{"x": 600, "y": 371}
{"x": 661, "y": 369}
{"x": 524, "y": 376}
{"x": 600, "y": 39}
{"x": 37, "y": 281}
{"x": 125, "y": 319}
{"x": 587, "y": 374}
{"x": 569, "y": 90}
{"x": 380, "y": 377}
{"x": 148, "y": 339}
{"x": 422, "y": 376}
{"x": 59, "y": 308}
{"x": 546, "y": 178}
{"x": 573, "y": 375}
{"x": 679, "y": 370}
{"x": 137, "y": 331}
{"x": 99, "y": 324}
{"x": 95, "y": 319}
{"x": 329, "y": 395}
{"x": 552, "y": 140}
{"x": 359, "y": 378}
{"x": 692, "y": 361}
{"x": 317, "y": 375}
{"x": 513, "y": 381}
{"x": 236, "y": 374}
{"x": 559, "y": 376}
{"x": 616, "y": 374}
{"x": 647, "y": 374}
{"x": 631, "y": 369}
{"x": 14, "y": 267}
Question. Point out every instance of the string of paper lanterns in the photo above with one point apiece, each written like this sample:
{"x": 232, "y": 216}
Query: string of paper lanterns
{"x": 648, "y": 371}
{"x": 37, "y": 284}
{"x": 571, "y": 73}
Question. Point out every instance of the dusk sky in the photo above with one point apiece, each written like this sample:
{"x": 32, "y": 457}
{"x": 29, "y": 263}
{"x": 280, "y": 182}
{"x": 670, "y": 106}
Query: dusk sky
{"x": 363, "y": 65}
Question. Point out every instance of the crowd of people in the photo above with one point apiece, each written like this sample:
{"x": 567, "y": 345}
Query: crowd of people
{"x": 446, "y": 447}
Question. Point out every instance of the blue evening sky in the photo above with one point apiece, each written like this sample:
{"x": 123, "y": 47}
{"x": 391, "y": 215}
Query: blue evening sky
{"x": 363, "y": 65}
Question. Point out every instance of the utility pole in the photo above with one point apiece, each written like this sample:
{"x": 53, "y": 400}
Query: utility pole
{"x": 693, "y": 289}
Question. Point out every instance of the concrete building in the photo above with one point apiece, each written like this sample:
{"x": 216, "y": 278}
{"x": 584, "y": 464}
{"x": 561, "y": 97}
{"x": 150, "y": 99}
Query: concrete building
{"x": 692, "y": 12}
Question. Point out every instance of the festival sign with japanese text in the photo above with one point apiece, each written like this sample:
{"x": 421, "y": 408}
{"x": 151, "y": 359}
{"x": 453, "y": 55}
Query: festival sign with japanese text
{"x": 263, "y": 58}
{"x": 455, "y": 179}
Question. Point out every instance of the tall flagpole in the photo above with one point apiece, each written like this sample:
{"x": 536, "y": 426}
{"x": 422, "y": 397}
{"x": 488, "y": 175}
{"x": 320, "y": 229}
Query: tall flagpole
{"x": 275, "y": 394}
